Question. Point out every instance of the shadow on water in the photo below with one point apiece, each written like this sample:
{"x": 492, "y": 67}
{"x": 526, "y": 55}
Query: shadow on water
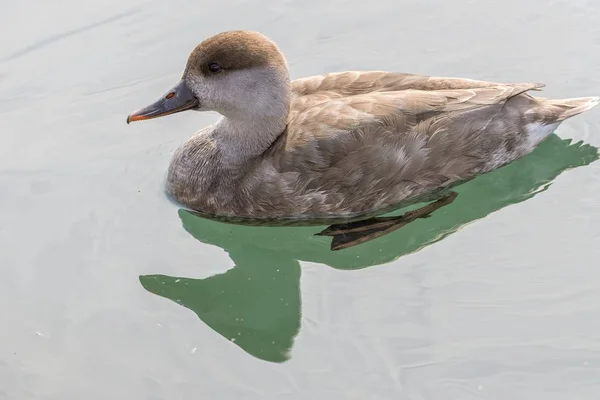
{"x": 257, "y": 304}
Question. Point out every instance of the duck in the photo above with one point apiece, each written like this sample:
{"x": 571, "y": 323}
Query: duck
{"x": 341, "y": 148}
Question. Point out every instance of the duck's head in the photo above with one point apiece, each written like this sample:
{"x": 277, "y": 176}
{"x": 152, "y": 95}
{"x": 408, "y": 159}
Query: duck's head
{"x": 239, "y": 74}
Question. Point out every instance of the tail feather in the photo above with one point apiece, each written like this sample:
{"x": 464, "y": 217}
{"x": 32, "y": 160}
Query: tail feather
{"x": 561, "y": 109}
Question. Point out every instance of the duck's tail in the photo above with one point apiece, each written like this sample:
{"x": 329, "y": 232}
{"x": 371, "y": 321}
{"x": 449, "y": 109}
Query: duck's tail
{"x": 557, "y": 110}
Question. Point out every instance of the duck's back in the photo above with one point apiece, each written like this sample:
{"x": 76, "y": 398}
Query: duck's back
{"x": 358, "y": 142}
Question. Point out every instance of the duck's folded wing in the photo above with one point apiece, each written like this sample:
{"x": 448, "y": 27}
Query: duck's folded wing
{"x": 359, "y": 153}
{"x": 369, "y": 129}
{"x": 360, "y": 82}
{"x": 323, "y": 117}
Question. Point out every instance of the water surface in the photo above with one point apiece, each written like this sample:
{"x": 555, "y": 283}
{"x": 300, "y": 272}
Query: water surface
{"x": 108, "y": 289}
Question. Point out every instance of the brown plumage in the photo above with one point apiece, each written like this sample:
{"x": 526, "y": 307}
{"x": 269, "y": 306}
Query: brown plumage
{"x": 341, "y": 145}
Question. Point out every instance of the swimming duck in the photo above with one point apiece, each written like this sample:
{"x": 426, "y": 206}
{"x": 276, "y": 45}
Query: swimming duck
{"x": 340, "y": 147}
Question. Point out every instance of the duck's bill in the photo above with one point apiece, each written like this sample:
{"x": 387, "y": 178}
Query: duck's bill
{"x": 179, "y": 98}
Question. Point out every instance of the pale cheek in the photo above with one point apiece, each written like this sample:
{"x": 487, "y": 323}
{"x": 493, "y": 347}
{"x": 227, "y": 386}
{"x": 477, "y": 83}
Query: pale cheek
{"x": 245, "y": 91}
{"x": 203, "y": 90}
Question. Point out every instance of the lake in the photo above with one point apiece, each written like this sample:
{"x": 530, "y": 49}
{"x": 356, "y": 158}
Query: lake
{"x": 109, "y": 290}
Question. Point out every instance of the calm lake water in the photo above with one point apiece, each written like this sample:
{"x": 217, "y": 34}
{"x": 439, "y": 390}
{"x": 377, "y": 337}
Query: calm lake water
{"x": 108, "y": 290}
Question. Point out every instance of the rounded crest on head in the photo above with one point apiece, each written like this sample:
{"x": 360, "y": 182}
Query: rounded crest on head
{"x": 234, "y": 50}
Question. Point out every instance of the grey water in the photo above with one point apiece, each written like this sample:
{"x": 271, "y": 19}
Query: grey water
{"x": 108, "y": 290}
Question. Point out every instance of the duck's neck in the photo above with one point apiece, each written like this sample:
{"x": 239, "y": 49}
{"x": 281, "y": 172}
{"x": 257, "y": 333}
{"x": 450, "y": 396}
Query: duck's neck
{"x": 244, "y": 138}
{"x": 246, "y": 135}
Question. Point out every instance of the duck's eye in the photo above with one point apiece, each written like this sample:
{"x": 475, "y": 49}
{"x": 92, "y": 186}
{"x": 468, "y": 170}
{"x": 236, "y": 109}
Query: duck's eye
{"x": 214, "y": 67}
